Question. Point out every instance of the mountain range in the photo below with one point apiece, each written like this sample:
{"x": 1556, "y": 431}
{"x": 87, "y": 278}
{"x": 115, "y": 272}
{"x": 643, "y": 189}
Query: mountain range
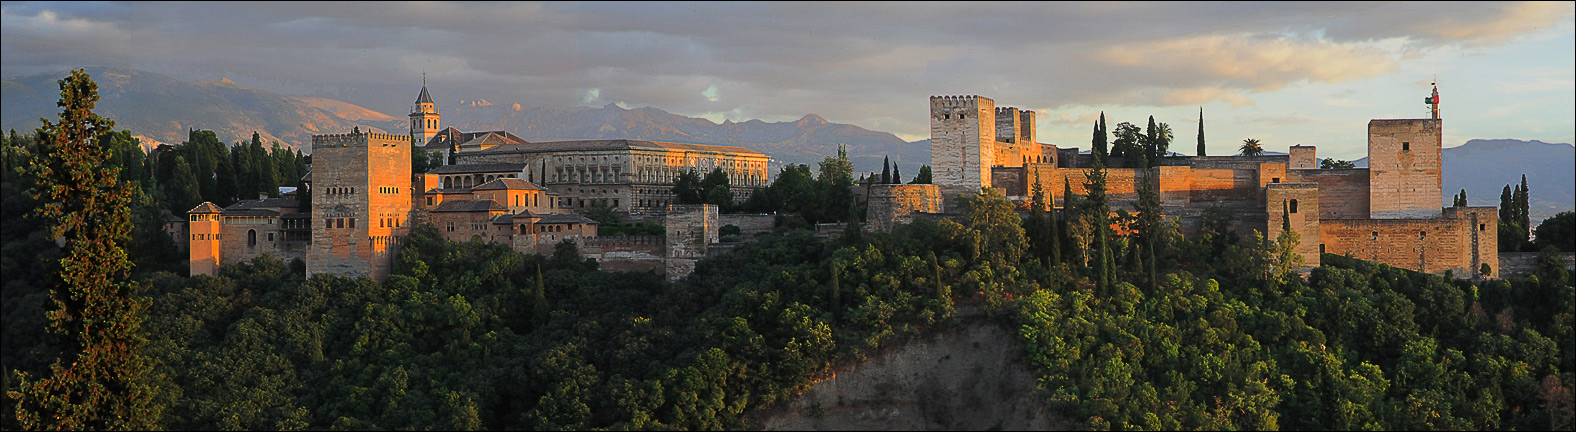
{"x": 158, "y": 108}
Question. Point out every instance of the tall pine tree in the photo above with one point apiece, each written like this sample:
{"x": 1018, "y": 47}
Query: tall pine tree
{"x": 102, "y": 380}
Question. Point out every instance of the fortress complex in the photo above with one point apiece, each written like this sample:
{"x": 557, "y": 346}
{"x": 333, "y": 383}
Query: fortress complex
{"x": 364, "y": 198}
{"x": 1388, "y": 212}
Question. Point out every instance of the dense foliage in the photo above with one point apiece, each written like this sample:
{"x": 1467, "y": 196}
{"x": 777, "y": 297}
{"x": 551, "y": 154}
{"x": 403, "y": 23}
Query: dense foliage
{"x": 1125, "y": 323}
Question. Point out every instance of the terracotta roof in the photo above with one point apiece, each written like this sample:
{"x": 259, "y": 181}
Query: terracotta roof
{"x": 205, "y": 208}
{"x": 478, "y": 168}
{"x": 509, "y": 184}
{"x": 265, "y": 203}
{"x": 250, "y": 212}
{"x": 445, "y": 191}
{"x": 617, "y": 144}
{"x": 442, "y": 139}
{"x": 566, "y": 218}
{"x": 469, "y": 206}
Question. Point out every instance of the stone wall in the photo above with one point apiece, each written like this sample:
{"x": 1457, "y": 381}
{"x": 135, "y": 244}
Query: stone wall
{"x": 1298, "y": 202}
{"x": 1521, "y": 264}
{"x": 962, "y": 140}
{"x": 1303, "y": 157}
{"x": 749, "y": 223}
{"x": 1343, "y": 193}
{"x": 1426, "y": 245}
{"x": 1404, "y": 168}
{"x": 358, "y": 181}
{"x": 626, "y": 253}
{"x": 890, "y": 205}
{"x": 691, "y": 229}
{"x": 248, "y": 237}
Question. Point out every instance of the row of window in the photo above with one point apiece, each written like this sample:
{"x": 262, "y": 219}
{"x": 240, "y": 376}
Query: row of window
{"x": 390, "y": 190}
{"x": 339, "y": 190}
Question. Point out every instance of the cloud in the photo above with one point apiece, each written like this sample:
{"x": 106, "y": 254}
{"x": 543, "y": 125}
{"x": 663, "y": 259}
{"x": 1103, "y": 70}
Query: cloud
{"x": 1246, "y": 60}
{"x": 1199, "y": 96}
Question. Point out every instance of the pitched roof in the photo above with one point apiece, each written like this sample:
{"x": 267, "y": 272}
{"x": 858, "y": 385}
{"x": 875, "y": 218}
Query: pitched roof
{"x": 478, "y": 168}
{"x": 442, "y": 139}
{"x": 424, "y": 97}
{"x": 469, "y": 206}
{"x": 265, "y": 203}
{"x": 508, "y": 184}
{"x": 250, "y": 212}
{"x": 205, "y": 208}
{"x": 566, "y": 218}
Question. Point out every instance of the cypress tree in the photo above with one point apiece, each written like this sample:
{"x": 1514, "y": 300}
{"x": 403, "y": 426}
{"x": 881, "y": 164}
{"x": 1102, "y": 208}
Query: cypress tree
{"x": 1151, "y": 143}
{"x": 1099, "y": 142}
{"x": 1505, "y": 205}
{"x": 1056, "y": 232}
{"x": 886, "y": 171}
{"x": 1524, "y": 209}
{"x": 1201, "y": 132}
{"x": 837, "y": 290}
{"x": 101, "y": 380}
{"x": 897, "y": 176}
{"x": 1099, "y": 208}
{"x": 539, "y": 312}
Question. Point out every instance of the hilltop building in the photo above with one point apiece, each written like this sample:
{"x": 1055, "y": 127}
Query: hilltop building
{"x": 1388, "y": 212}
{"x": 499, "y": 188}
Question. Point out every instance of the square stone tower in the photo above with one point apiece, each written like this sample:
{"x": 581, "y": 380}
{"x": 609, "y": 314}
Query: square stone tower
{"x": 1404, "y": 168}
{"x": 361, "y": 202}
{"x": 962, "y": 142}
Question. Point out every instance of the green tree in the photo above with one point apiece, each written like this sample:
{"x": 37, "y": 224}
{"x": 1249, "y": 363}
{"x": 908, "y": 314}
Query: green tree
{"x": 1002, "y": 240}
{"x": 1098, "y": 142}
{"x": 1129, "y": 141}
{"x": 1251, "y": 147}
{"x": 1332, "y": 163}
{"x": 687, "y": 188}
{"x": 837, "y": 168}
{"x": 103, "y": 383}
{"x": 923, "y": 177}
{"x": 1201, "y": 151}
{"x": 886, "y": 171}
{"x": 1524, "y": 209}
{"x": 1163, "y": 137}
{"x": 897, "y": 175}
{"x": 716, "y": 190}
{"x": 1098, "y": 208}
{"x": 1558, "y": 232}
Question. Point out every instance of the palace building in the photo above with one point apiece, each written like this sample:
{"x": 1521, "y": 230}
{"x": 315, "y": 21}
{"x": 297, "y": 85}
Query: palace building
{"x": 500, "y": 188}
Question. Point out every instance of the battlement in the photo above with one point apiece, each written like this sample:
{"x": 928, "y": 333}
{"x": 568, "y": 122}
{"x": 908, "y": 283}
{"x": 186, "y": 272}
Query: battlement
{"x": 363, "y": 138}
{"x": 962, "y": 101}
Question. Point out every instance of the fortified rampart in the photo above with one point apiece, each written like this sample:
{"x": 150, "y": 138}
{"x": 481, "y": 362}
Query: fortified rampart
{"x": 892, "y": 204}
{"x": 1404, "y": 168}
{"x": 362, "y": 205}
{"x": 691, "y": 229}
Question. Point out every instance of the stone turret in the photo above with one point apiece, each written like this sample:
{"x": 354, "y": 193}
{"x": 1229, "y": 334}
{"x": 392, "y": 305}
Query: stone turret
{"x": 423, "y": 117}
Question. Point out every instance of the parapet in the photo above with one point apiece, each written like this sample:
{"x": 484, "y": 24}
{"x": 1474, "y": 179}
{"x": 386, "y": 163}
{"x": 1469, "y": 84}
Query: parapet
{"x": 353, "y": 138}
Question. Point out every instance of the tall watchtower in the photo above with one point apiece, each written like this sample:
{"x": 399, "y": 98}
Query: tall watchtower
{"x": 962, "y": 142}
{"x": 361, "y": 202}
{"x": 423, "y": 117}
{"x": 205, "y": 231}
{"x": 1404, "y": 166}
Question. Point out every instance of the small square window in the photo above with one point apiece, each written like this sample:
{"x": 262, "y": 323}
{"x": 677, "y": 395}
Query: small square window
{"x": 1406, "y": 146}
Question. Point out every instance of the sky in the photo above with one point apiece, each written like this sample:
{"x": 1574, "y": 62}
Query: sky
{"x": 1285, "y": 73}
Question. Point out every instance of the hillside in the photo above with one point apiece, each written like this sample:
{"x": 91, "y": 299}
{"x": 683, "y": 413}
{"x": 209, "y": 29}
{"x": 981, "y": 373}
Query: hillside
{"x": 162, "y": 108}
{"x": 1484, "y": 167}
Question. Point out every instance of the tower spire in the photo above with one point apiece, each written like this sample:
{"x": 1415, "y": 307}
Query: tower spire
{"x": 1433, "y": 100}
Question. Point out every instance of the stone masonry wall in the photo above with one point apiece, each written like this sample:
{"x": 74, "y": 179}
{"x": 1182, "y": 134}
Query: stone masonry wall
{"x": 1404, "y": 168}
{"x": 1343, "y": 193}
{"x": 962, "y": 140}
{"x": 890, "y": 205}
{"x": 691, "y": 229}
{"x": 358, "y": 180}
{"x": 1298, "y": 202}
{"x": 1426, "y": 245}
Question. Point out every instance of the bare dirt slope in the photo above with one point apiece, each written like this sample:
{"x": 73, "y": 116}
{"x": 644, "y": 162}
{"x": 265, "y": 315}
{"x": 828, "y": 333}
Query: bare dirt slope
{"x": 971, "y": 377}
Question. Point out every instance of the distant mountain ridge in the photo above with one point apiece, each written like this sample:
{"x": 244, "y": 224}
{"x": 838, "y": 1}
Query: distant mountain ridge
{"x": 1484, "y": 166}
{"x": 159, "y": 108}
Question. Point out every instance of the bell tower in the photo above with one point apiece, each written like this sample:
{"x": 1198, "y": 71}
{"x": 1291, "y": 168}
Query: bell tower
{"x": 423, "y": 117}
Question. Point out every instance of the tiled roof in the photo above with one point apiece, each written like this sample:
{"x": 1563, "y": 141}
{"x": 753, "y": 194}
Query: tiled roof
{"x": 445, "y": 191}
{"x": 205, "y": 208}
{"x": 265, "y": 203}
{"x": 442, "y": 139}
{"x": 469, "y": 206}
{"x": 566, "y": 218}
{"x": 618, "y": 144}
{"x": 250, "y": 212}
{"x": 478, "y": 168}
{"x": 508, "y": 183}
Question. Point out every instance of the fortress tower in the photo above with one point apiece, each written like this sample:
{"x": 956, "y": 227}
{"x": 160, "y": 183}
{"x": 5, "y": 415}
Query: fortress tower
{"x": 424, "y": 117}
{"x": 205, "y": 239}
{"x": 962, "y": 142}
{"x": 1404, "y": 166}
{"x": 361, "y": 193}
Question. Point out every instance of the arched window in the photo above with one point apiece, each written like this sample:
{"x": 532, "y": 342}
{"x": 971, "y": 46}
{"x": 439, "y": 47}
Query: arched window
{"x": 251, "y": 238}
{"x": 1294, "y": 206}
